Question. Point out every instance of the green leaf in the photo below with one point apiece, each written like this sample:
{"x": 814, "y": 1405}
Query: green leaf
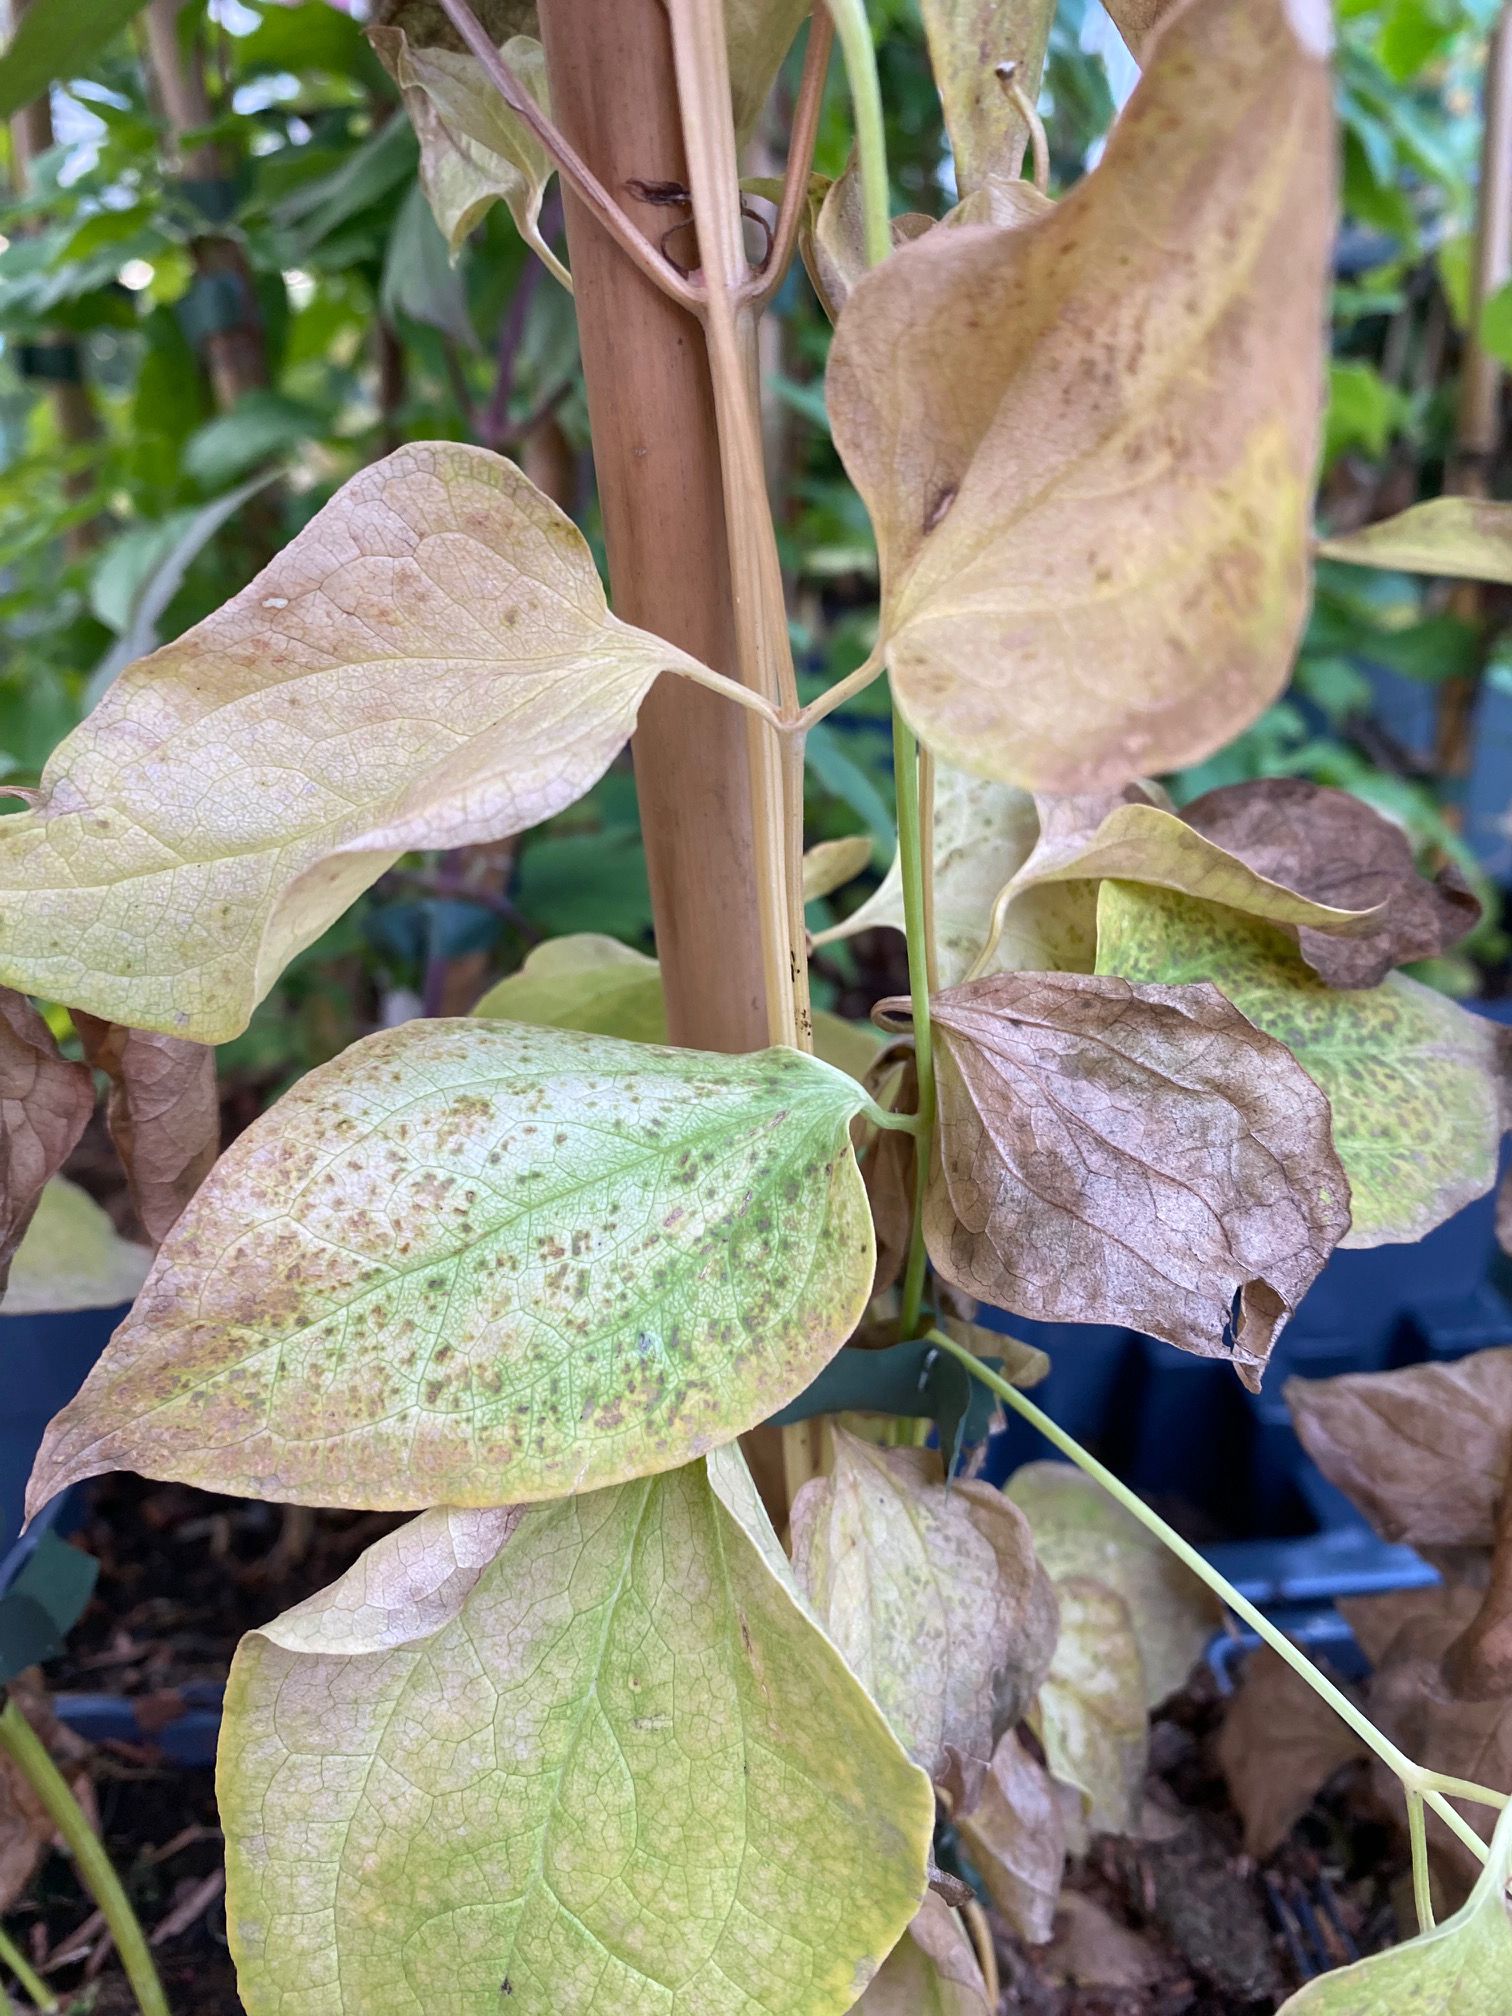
{"x": 968, "y": 39}
{"x": 1460, "y": 1968}
{"x": 469, "y": 1260}
{"x": 592, "y": 1757}
{"x": 418, "y": 281}
{"x": 1407, "y": 1073}
{"x": 72, "y": 1257}
{"x": 429, "y": 663}
{"x": 57, "y": 38}
{"x": 260, "y": 426}
{"x": 1364, "y": 412}
{"x": 1466, "y": 537}
{"x": 758, "y": 34}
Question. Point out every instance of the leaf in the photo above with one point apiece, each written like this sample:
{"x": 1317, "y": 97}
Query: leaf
{"x": 1337, "y": 850}
{"x": 598, "y": 985}
{"x": 1278, "y": 1746}
{"x": 1086, "y": 578}
{"x": 889, "y": 1163}
{"x": 626, "y": 1773}
{"x": 758, "y": 34}
{"x": 45, "y": 1104}
{"x": 1137, "y": 20}
{"x": 1407, "y": 1073}
{"x": 932, "y": 1971}
{"x": 163, "y": 1113}
{"x": 1016, "y": 1839}
{"x": 1469, "y": 538}
{"x": 1091, "y": 1717}
{"x": 428, "y": 664}
{"x": 260, "y": 427}
{"x": 1460, "y": 1968}
{"x": 932, "y": 1594}
{"x": 470, "y": 1259}
{"x": 55, "y": 39}
{"x": 1131, "y": 1155}
{"x": 968, "y": 41}
{"x": 1080, "y": 1531}
{"x": 830, "y": 864}
{"x": 72, "y": 1257}
{"x": 833, "y": 236}
{"x": 983, "y": 833}
{"x": 418, "y": 283}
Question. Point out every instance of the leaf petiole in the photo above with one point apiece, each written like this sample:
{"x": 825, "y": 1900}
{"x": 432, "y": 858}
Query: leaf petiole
{"x": 1422, "y": 1887}
{"x": 31, "y": 1983}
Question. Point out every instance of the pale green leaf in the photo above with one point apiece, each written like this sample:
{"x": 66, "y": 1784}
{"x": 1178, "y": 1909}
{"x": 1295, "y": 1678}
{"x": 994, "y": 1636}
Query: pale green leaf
{"x": 1091, "y": 1713}
{"x": 72, "y": 1257}
{"x": 932, "y": 1971}
{"x": 471, "y": 1260}
{"x": 1408, "y": 1074}
{"x": 429, "y": 663}
{"x": 830, "y": 864}
{"x": 1467, "y": 537}
{"x": 614, "y": 1768}
{"x": 758, "y": 34}
{"x": 968, "y": 40}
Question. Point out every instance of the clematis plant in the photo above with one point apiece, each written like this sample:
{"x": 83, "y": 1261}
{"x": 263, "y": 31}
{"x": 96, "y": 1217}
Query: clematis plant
{"x": 583, "y": 1735}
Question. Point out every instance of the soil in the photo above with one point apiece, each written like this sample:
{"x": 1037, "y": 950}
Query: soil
{"x": 1179, "y": 1923}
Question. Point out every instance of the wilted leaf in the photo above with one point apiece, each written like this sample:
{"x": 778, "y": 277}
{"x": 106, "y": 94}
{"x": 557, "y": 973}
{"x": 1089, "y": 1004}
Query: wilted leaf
{"x": 163, "y": 1113}
{"x": 1279, "y": 1745}
{"x": 1086, "y": 578}
{"x": 1408, "y": 1074}
{"x": 833, "y": 237}
{"x": 471, "y": 1259}
{"x": 830, "y": 864}
{"x": 1131, "y": 1155}
{"x": 933, "y": 1596}
{"x": 983, "y": 833}
{"x": 1091, "y": 1714}
{"x": 45, "y": 1104}
{"x": 1460, "y": 1968}
{"x": 1016, "y": 1839}
{"x": 626, "y": 1773}
{"x": 429, "y": 663}
{"x": 1336, "y": 849}
{"x": 889, "y": 1165}
{"x": 1469, "y": 537}
{"x": 604, "y": 988}
{"x": 968, "y": 41}
{"x": 72, "y": 1257}
{"x": 932, "y": 1971}
{"x": 1080, "y": 1531}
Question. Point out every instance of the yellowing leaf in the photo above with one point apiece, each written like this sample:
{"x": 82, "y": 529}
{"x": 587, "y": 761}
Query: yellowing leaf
{"x": 1468, "y": 537}
{"x": 833, "y": 235}
{"x": 72, "y": 1257}
{"x": 830, "y": 864}
{"x": 1088, "y": 450}
{"x": 1407, "y": 1073}
{"x": 620, "y": 1771}
{"x": 1131, "y": 1155}
{"x": 429, "y": 663}
{"x": 470, "y": 1260}
{"x": 1091, "y": 1715}
{"x": 932, "y": 1971}
{"x": 604, "y": 988}
{"x": 933, "y": 1596}
{"x": 968, "y": 40}
{"x": 1015, "y": 1837}
{"x": 1460, "y": 1968}
{"x": 45, "y": 1104}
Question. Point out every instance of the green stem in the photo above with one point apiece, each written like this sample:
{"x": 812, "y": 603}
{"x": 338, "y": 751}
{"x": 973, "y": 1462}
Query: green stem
{"x": 30, "y": 1756}
{"x": 1422, "y": 1886}
{"x": 911, "y": 861}
{"x": 1412, "y": 1776}
{"x": 853, "y": 33}
{"x": 32, "y": 1985}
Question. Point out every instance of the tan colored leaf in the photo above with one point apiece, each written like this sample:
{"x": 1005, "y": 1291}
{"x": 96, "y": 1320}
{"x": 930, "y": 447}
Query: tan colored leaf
{"x": 1131, "y": 1155}
{"x": 474, "y": 150}
{"x": 1016, "y": 1839}
{"x": 1411, "y": 1078}
{"x": 758, "y": 34}
{"x": 72, "y": 1257}
{"x": 999, "y": 202}
{"x": 429, "y": 663}
{"x": 472, "y": 1259}
{"x": 1279, "y": 1745}
{"x": 1080, "y": 1531}
{"x": 1339, "y": 851}
{"x": 1087, "y": 576}
{"x": 830, "y": 864}
{"x": 889, "y": 1164}
{"x": 1137, "y": 20}
{"x": 45, "y": 1104}
{"x": 969, "y": 40}
{"x": 1467, "y": 537}
{"x": 932, "y": 1971}
{"x": 1091, "y": 1713}
{"x": 1093, "y": 1949}
{"x": 1023, "y": 1364}
{"x": 163, "y": 1112}
{"x": 932, "y": 1594}
{"x": 618, "y": 1770}
{"x": 833, "y": 238}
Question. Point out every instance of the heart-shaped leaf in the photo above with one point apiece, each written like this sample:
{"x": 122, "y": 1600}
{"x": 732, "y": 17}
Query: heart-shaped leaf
{"x": 618, "y": 1768}
{"x": 932, "y": 1971}
{"x": 1409, "y": 1076}
{"x": 429, "y": 663}
{"x": 470, "y": 1260}
{"x": 1088, "y": 451}
{"x": 1468, "y": 537}
{"x": 45, "y": 1104}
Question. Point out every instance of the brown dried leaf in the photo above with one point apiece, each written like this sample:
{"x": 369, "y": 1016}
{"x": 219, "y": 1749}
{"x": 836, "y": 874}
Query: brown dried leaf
{"x": 1093, "y": 1950}
{"x": 45, "y": 1104}
{"x": 833, "y": 239}
{"x": 932, "y": 1971}
{"x": 1132, "y": 1155}
{"x": 163, "y": 1113}
{"x": 888, "y": 1165}
{"x": 968, "y": 41}
{"x": 1279, "y": 1745}
{"x": 932, "y": 1593}
{"x": 1086, "y": 578}
{"x": 1016, "y": 1839}
{"x": 26, "y": 1831}
{"x": 1332, "y": 847}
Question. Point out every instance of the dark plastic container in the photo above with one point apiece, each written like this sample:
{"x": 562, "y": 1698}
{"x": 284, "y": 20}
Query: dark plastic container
{"x": 46, "y": 1359}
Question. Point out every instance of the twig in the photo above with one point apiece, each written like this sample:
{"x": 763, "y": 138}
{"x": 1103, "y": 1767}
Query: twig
{"x": 763, "y": 285}
{"x": 194, "y": 1905}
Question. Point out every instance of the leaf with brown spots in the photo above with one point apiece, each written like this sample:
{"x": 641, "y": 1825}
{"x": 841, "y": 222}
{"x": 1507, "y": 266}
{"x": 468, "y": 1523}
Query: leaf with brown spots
{"x": 932, "y": 1971}
{"x": 1015, "y": 1837}
{"x": 970, "y": 41}
{"x": 429, "y": 663}
{"x": 933, "y": 1596}
{"x": 473, "y": 1260}
{"x": 163, "y": 1113}
{"x": 45, "y": 1104}
{"x": 1132, "y": 1155}
{"x": 1465, "y": 537}
{"x": 1088, "y": 575}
